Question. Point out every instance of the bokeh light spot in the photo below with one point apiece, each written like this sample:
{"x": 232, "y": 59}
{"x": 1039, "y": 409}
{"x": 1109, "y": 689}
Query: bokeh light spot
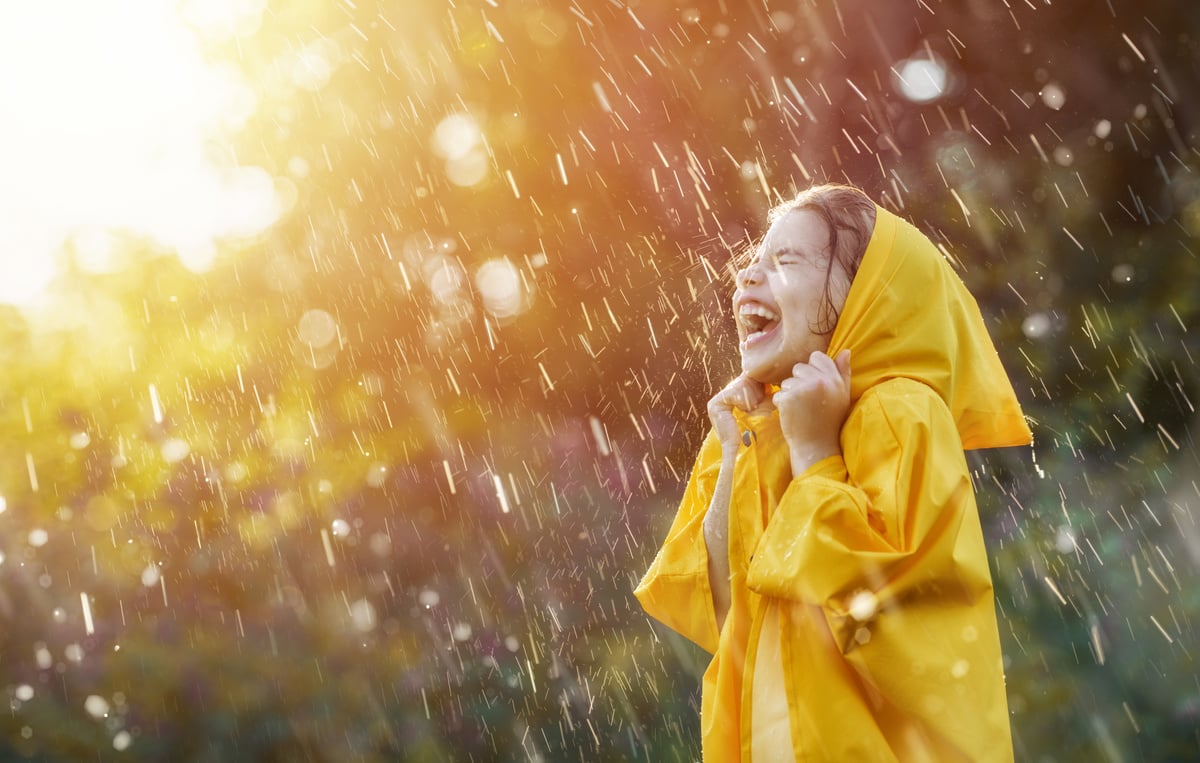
{"x": 499, "y": 284}
{"x": 317, "y": 328}
{"x": 456, "y": 136}
{"x": 1053, "y": 96}
{"x": 921, "y": 80}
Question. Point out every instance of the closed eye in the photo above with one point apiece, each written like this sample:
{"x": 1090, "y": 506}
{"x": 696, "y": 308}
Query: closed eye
{"x": 787, "y": 257}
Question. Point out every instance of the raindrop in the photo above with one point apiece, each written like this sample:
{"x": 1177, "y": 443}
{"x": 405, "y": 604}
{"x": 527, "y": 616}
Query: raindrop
{"x": 340, "y": 528}
{"x": 74, "y": 653}
{"x": 3, "y": 504}
{"x": 863, "y": 606}
{"x": 429, "y": 598}
{"x": 1103, "y": 128}
{"x": 38, "y": 537}
{"x": 122, "y": 740}
{"x": 43, "y": 656}
{"x": 80, "y": 440}
{"x": 462, "y": 631}
{"x": 24, "y": 692}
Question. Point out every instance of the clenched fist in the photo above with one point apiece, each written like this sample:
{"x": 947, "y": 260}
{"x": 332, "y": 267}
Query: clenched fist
{"x": 813, "y": 403}
{"x": 743, "y": 393}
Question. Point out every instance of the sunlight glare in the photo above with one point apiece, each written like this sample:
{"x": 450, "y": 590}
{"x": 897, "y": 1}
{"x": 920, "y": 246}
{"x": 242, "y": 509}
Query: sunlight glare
{"x": 110, "y": 120}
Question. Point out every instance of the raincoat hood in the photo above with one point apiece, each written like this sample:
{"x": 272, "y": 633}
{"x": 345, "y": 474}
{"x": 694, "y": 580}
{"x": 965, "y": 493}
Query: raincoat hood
{"x": 909, "y": 315}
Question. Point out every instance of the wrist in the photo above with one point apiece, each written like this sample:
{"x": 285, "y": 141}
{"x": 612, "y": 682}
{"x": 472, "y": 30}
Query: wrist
{"x": 803, "y": 458}
{"x": 729, "y": 451}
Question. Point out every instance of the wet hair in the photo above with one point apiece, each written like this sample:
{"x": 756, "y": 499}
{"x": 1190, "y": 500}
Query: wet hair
{"x": 849, "y": 214}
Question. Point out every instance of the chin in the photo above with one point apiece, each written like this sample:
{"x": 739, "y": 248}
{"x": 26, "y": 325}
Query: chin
{"x": 764, "y": 373}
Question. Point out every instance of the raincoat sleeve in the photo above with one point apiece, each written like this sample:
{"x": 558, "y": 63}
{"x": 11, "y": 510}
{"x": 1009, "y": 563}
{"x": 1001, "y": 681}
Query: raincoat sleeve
{"x": 675, "y": 590}
{"x": 889, "y": 530}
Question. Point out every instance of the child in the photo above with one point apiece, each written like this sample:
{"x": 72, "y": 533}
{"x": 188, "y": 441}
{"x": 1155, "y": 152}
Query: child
{"x": 828, "y": 551}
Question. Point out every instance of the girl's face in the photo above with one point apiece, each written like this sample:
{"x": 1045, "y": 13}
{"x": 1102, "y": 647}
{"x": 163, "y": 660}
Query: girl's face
{"x": 780, "y": 296}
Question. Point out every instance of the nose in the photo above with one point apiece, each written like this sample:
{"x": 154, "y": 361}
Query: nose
{"x": 748, "y": 276}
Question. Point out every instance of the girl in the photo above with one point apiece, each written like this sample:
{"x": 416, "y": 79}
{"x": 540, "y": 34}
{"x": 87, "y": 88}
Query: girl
{"x": 828, "y": 551}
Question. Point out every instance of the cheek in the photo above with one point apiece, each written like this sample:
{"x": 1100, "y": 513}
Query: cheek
{"x": 805, "y": 309}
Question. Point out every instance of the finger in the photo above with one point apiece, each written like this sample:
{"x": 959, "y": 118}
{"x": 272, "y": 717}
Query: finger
{"x": 800, "y": 370}
{"x": 824, "y": 364}
{"x": 741, "y": 393}
{"x": 749, "y": 393}
{"x": 843, "y": 362}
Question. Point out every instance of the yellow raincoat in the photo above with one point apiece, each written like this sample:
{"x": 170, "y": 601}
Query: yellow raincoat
{"x": 862, "y": 624}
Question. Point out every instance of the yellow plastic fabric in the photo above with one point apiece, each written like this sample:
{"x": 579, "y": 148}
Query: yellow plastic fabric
{"x": 864, "y": 581}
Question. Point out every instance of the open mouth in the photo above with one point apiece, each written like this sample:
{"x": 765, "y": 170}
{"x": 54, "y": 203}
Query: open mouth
{"x": 758, "y": 321}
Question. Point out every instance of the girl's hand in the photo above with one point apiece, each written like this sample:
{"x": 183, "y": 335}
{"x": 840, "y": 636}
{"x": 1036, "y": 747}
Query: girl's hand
{"x": 813, "y": 403}
{"x": 744, "y": 393}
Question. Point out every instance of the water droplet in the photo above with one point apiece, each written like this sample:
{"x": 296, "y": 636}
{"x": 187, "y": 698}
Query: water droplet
{"x": 863, "y": 606}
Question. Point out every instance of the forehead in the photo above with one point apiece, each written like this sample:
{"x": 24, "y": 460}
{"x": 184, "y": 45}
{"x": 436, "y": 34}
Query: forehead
{"x": 800, "y": 230}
